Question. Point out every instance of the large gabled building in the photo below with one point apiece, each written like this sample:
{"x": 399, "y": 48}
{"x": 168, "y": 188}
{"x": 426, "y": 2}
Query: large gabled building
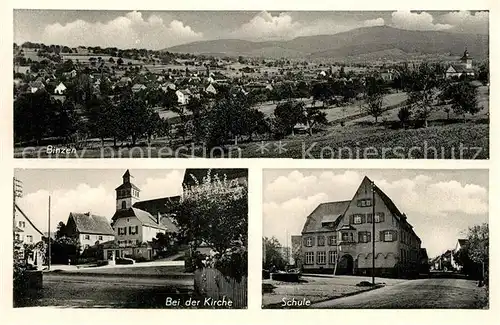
{"x": 341, "y": 233}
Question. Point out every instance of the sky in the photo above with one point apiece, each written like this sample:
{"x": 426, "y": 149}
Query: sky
{"x": 162, "y": 29}
{"x": 83, "y": 190}
{"x": 440, "y": 204}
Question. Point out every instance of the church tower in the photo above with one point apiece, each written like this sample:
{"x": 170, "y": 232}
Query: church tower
{"x": 466, "y": 60}
{"x": 127, "y": 193}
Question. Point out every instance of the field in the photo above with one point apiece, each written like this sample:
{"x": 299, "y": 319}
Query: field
{"x": 455, "y": 141}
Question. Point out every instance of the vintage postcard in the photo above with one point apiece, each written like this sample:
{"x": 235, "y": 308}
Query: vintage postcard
{"x": 391, "y": 239}
{"x": 247, "y": 84}
{"x": 91, "y": 238}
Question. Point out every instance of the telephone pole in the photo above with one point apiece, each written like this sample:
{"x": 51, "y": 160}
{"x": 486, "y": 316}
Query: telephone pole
{"x": 48, "y": 241}
{"x": 373, "y": 233}
{"x": 17, "y": 192}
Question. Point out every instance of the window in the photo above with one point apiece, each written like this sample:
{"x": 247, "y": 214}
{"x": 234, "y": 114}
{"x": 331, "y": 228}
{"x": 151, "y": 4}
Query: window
{"x": 364, "y": 203}
{"x": 321, "y": 240}
{"x": 321, "y": 257}
{"x": 309, "y": 241}
{"x": 379, "y": 217}
{"x": 388, "y": 235}
{"x": 124, "y": 205}
{"x": 358, "y": 219}
{"x": 29, "y": 238}
{"x": 309, "y": 258}
{"x": 18, "y": 237}
{"x": 332, "y": 240}
{"x": 100, "y": 238}
{"x": 122, "y": 231}
{"x": 364, "y": 237}
{"x": 345, "y": 236}
{"x": 22, "y": 224}
{"x": 333, "y": 257}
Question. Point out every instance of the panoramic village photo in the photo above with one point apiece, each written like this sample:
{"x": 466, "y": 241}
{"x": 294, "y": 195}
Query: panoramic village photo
{"x": 144, "y": 238}
{"x": 389, "y": 239}
{"x": 246, "y": 84}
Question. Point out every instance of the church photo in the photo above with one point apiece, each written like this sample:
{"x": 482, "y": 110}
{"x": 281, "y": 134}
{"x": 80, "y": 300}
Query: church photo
{"x": 163, "y": 229}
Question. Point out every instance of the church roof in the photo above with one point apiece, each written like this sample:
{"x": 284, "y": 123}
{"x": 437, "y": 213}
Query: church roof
{"x": 163, "y": 205}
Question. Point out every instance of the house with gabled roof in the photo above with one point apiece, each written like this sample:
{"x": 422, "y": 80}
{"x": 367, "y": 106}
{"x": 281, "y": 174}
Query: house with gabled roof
{"x": 27, "y": 233}
{"x": 340, "y": 234}
{"x": 88, "y": 229}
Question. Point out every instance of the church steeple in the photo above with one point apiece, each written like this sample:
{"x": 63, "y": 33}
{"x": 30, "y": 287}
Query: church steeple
{"x": 127, "y": 193}
{"x": 126, "y": 177}
{"x": 466, "y": 59}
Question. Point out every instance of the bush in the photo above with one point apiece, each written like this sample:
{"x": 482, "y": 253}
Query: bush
{"x": 102, "y": 262}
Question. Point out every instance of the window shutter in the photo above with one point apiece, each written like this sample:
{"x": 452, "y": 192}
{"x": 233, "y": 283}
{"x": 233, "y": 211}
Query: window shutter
{"x": 360, "y": 237}
{"x": 363, "y": 218}
{"x": 312, "y": 241}
{"x": 304, "y": 241}
{"x": 381, "y": 216}
{"x": 351, "y": 219}
{"x": 369, "y": 218}
{"x": 130, "y": 230}
{"x": 381, "y": 235}
{"x": 136, "y": 229}
{"x": 368, "y": 236}
{"x": 394, "y": 235}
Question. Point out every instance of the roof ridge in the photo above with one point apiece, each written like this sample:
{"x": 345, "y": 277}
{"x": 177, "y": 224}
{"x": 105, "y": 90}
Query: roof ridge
{"x": 30, "y": 222}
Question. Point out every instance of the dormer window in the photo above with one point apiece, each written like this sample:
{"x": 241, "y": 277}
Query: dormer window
{"x": 124, "y": 205}
{"x": 364, "y": 203}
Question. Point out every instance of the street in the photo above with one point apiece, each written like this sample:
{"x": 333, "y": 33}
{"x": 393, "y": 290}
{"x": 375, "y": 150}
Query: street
{"x": 423, "y": 293}
{"x": 109, "y": 291}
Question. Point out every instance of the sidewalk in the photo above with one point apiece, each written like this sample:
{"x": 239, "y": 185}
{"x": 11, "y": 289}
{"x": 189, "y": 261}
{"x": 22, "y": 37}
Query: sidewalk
{"x": 146, "y": 269}
{"x": 316, "y": 288}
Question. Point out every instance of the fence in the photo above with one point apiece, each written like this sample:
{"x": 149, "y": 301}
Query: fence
{"x": 211, "y": 283}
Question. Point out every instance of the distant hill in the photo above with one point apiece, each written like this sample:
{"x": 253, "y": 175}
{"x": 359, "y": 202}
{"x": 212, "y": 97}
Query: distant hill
{"x": 359, "y": 42}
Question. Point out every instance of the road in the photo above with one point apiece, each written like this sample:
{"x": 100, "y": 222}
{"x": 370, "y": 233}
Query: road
{"x": 109, "y": 291}
{"x": 423, "y": 293}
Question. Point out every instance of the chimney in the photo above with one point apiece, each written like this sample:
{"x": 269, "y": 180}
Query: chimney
{"x": 87, "y": 213}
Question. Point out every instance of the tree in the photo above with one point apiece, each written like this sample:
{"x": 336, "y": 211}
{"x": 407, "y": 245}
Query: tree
{"x": 478, "y": 246}
{"x": 375, "y": 91}
{"x": 273, "y": 257}
{"x": 61, "y": 230}
{"x": 314, "y": 116}
{"x": 404, "y": 115}
{"x": 132, "y": 113}
{"x": 463, "y": 96}
{"x": 197, "y": 108}
{"x": 165, "y": 243}
{"x": 102, "y": 118}
{"x": 287, "y": 115}
{"x": 119, "y": 61}
{"x": 422, "y": 88}
{"x": 484, "y": 73}
{"x": 215, "y": 212}
{"x": 33, "y": 116}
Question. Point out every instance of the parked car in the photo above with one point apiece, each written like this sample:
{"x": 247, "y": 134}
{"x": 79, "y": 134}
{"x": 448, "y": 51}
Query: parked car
{"x": 124, "y": 260}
